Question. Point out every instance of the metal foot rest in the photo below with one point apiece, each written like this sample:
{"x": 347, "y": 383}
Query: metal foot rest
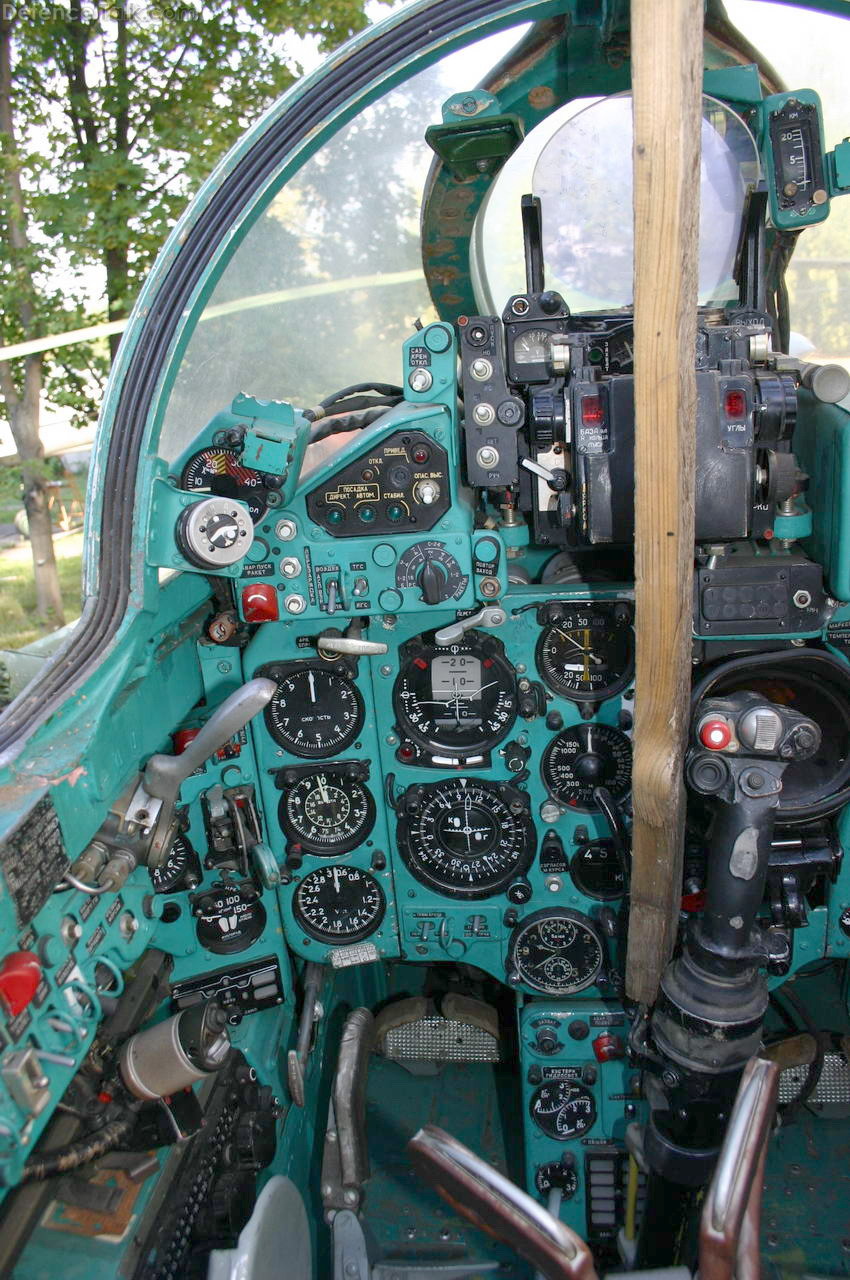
{"x": 464, "y": 1030}
{"x": 832, "y": 1094}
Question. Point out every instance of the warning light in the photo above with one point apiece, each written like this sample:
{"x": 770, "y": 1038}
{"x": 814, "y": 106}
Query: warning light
{"x": 736, "y": 404}
{"x": 715, "y": 734}
{"x": 591, "y": 410}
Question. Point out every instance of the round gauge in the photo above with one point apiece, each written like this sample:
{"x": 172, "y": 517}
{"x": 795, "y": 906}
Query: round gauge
{"x": 465, "y": 838}
{"x": 587, "y": 655}
{"x": 229, "y": 917}
{"x": 584, "y": 757}
{"x": 339, "y": 904}
{"x": 217, "y": 470}
{"x": 556, "y": 951}
{"x": 597, "y": 870}
{"x": 556, "y": 1174}
{"x": 434, "y": 570}
{"x": 461, "y": 698}
{"x": 563, "y": 1109}
{"x": 314, "y": 712}
{"x": 531, "y": 346}
{"x": 326, "y": 812}
{"x": 181, "y": 869}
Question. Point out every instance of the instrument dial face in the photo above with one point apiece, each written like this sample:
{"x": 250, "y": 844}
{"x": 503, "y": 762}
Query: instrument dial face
{"x": 326, "y": 813}
{"x": 531, "y": 346}
{"x": 555, "y": 1174}
{"x": 315, "y": 712}
{"x": 556, "y": 951}
{"x": 181, "y": 869}
{"x": 597, "y": 870}
{"x": 339, "y": 904}
{"x": 587, "y": 656}
{"x": 465, "y": 838}
{"x": 461, "y": 698}
{"x": 584, "y": 757}
{"x": 218, "y": 470}
{"x": 563, "y": 1109}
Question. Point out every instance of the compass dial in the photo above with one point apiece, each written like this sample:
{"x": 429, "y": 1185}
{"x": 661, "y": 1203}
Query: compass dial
{"x": 588, "y": 654}
{"x": 327, "y": 812}
{"x": 465, "y": 838}
{"x": 339, "y": 904}
{"x": 556, "y": 951}
{"x": 314, "y": 712}
{"x": 456, "y": 699}
{"x": 218, "y": 470}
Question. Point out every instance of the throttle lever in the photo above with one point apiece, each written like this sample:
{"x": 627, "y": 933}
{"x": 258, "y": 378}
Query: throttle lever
{"x": 163, "y": 775}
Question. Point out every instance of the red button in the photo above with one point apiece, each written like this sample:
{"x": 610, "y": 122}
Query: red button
{"x": 20, "y": 974}
{"x": 736, "y": 404}
{"x": 259, "y": 603}
{"x": 715, "y": 734}
{"x": 182, "y": 738}
{"x": 607, "y": 1046}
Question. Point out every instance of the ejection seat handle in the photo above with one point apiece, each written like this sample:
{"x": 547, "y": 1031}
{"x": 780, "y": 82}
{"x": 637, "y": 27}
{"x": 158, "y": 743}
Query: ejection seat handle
{"x": 729, "y": 1226}
{"x": 493, "y": 1203}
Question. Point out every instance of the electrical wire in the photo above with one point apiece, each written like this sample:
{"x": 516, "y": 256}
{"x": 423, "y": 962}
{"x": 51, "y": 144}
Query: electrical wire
{"x": 76, "y": 1154}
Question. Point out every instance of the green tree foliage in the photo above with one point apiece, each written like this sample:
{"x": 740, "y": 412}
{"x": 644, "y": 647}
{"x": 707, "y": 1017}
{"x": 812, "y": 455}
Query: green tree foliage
{"x": 111, "y": 117}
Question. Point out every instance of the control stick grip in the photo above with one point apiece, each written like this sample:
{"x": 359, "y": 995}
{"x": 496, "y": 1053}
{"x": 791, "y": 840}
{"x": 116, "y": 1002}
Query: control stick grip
{"x": 165, "y": 774}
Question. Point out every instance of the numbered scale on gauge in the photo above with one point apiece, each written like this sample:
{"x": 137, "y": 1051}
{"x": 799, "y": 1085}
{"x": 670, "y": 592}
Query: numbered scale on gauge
{"x": 327, "y": 812}
{"x": 597, "y": 870}
{"x": 458, "y": 699}
{"x": 556, "y": 951}
{"x": 563, "y": 1109}
{"x": 588, "y": 654}
{"x": 557, "y": 1174}
{"x": 465, "y": 838}
{"x": 339, "y": 904}
{"x": 434, "y": 570}
{"x": 181, "y": 869}
{"x": 314, "y": 712}
{"x": 584, "y": 757}
{"x": 217, "y": 470}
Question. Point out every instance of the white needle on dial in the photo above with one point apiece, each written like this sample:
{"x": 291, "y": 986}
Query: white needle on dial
{"x": 311, "y": 680}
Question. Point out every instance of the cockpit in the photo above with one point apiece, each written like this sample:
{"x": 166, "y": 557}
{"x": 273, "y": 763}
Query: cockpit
{"x": 321, "y": 828}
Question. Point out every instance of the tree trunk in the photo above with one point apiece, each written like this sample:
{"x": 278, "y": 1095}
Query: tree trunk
{"x": 23, "y": 404}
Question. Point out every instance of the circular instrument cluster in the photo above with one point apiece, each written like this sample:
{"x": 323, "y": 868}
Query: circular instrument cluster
{"x": 458, "y": 699}
{"x": 584, "y": 757}
{"x": 327, "y": 812}
{"x": 339, "y": 904}
{"x": 315, "y": 712}
{"x": 588, "y": 653}
{"x": 563, "y": 1109}
{"x": 466, "y": 838}
{"x": 556, "y": 951}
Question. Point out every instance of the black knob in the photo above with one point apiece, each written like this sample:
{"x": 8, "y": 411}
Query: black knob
{"x": 432, "y": 582}
{"x": 519, "y": 892}
{"x": 547, "y": 1041}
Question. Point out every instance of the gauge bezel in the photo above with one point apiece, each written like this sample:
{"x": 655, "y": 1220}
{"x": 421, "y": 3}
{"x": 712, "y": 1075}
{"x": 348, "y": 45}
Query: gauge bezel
{"x": 338, "y": 939}
{"x": 570, "y": 802}
{"x": 478, "y": 646}
{"x": 410, "y": 840}
{"x": 577, "y": 918}
{"x": 262, "y": 491}
{"x": 577, "y": 1090}
{"x": 280, "y": 673}
{"x": 561, "y": 688}
{"x": 344, "y": 780}
{"x": 577, "y": 876}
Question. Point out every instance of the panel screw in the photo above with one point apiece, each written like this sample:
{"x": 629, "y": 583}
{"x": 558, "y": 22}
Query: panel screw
{"x": 295, "y": 604}
{"x": 286, "y": 530}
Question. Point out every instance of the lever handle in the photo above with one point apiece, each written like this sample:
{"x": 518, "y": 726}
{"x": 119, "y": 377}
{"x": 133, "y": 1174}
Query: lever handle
{"x": 164, "y": 774}
{"x": 492, "y": 615}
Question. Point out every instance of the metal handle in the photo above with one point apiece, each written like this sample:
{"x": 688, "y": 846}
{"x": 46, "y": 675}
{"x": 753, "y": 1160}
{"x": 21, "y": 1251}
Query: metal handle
{"x": 164, "y": 774}
{"x": 491, "y": 1201}
{"x": 492, "y": 615}
{"x": 729, "y": 1227}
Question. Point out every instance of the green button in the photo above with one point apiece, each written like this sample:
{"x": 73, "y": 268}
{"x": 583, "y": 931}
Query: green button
{"x": 366, "y": 514}
{"x": 395, "y": 512}
{"x": 438, "y": 338}
{"x": 390, "y": 601}
{"x": 335, "y": 516}
{"x": 383, "y": 555}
